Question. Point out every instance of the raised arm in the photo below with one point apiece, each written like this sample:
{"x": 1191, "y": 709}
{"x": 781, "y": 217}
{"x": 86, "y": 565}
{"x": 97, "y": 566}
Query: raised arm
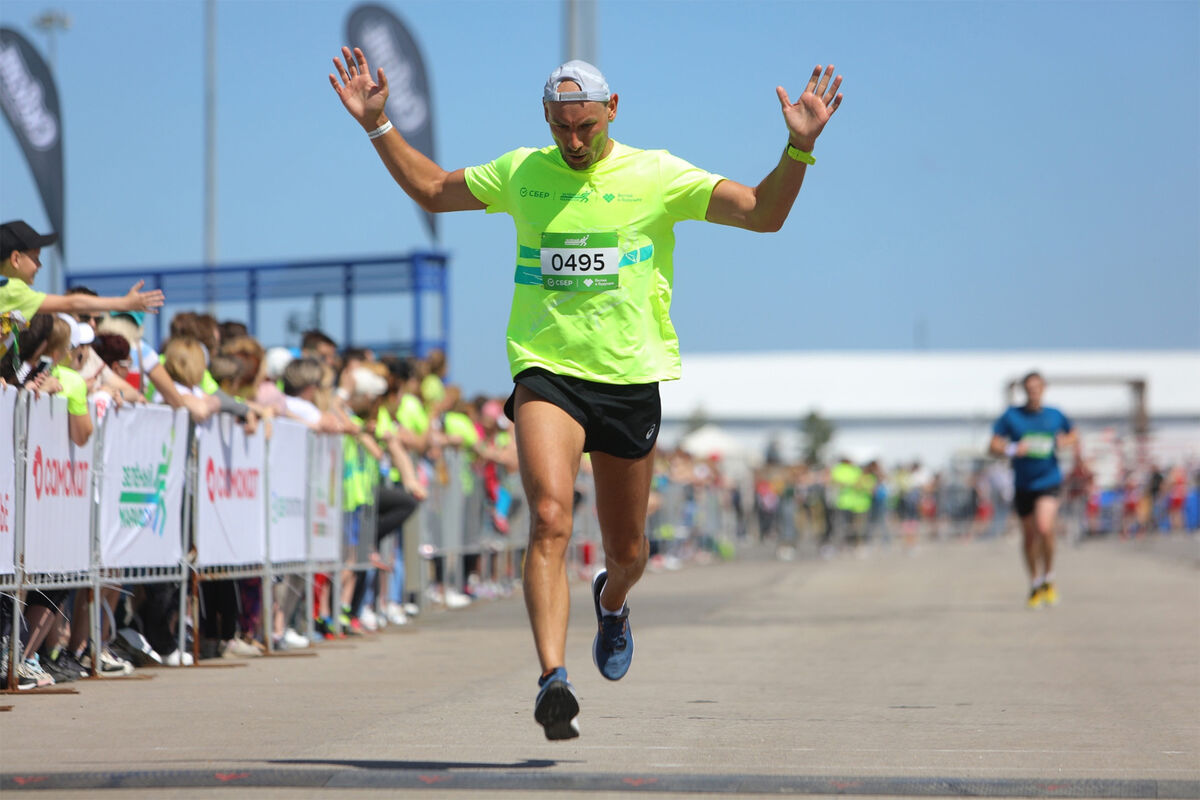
{"x": 433, "y": 188}
{"x": 765, "y": 207}
{"x": 134, "y": 300}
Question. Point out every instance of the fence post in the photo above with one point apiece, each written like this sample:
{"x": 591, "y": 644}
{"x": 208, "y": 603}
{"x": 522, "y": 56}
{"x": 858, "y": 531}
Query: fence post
{"x": 97, "y": 484}
{"x": 20, "y": 446}
{"x": 191, "y": 474}
{"x": 309, "y": 570}
{"x": 267, "y": 590}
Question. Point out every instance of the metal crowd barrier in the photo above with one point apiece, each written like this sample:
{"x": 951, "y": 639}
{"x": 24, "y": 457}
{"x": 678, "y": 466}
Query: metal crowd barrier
{"x": 236, "y": 517}
{"x": 77, "y": 491}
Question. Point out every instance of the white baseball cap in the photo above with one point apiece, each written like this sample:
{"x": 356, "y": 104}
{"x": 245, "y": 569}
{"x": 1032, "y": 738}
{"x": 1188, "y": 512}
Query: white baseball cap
{"x": 590, "y": 80}
{"x": 81, "y": 332}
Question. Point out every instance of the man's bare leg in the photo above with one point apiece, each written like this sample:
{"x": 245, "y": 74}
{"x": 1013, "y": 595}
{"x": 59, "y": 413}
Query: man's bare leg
{"x": 622, "y": 497}
{"x": 1044, "y": 515}
{"x": 549, "y": 446}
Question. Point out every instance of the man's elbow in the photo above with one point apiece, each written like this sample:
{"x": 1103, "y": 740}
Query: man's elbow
{"x": 766, "y": 224}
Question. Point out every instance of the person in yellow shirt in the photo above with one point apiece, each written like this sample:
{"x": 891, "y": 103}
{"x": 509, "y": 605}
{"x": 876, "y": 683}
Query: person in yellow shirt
{"x": 20, "y": 259}
{"x": 589, "y": 335}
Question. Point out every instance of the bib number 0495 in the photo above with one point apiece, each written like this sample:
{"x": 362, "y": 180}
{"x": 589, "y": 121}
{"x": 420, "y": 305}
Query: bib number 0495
{"x": 580, "y": 262}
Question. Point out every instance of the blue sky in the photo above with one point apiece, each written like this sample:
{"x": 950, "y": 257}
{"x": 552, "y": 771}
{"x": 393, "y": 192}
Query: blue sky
{"x": 1001, "y": 174}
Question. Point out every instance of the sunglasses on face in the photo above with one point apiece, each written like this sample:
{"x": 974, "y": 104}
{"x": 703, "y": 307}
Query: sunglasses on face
{"x": 90, "y": 318}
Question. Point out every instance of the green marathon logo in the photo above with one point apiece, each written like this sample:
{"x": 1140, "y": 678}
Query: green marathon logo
{"x": 578, "y": 197}
{"x": 282, "y": 507}
{"x": 141, "y": 503}
{"x": 608, "y": 198}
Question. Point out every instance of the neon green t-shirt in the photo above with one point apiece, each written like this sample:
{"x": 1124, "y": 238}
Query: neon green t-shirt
{"x": 74, "y": 389}
{"x": 384, "y": 424}
{"x": 432, "y": 389}
{"x": 594, "y": 258}
{"x": 18, "y": 303}
{"x": 411, "y": 414}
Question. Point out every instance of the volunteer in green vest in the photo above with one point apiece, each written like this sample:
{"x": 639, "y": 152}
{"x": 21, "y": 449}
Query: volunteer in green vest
{"x": 589, "y": 335}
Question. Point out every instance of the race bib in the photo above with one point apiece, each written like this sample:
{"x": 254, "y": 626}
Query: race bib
{"x": 580, "y": 262}
{"x": 1038, "y": 445}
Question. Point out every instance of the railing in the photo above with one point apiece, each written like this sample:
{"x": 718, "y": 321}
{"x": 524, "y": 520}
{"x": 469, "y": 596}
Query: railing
{"x": 155, "y": 498}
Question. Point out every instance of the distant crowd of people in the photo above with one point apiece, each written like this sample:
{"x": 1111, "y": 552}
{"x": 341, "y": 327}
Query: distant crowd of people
{"x": 847, "y": 504}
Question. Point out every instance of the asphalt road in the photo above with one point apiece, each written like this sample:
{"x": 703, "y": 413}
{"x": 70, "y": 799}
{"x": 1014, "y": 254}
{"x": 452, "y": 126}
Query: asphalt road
{"x": 888, "y": 673}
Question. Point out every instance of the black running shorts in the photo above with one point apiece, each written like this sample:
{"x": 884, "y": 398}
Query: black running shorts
{"x": 1025, "y": 499}
{"x": 620, "y": 420}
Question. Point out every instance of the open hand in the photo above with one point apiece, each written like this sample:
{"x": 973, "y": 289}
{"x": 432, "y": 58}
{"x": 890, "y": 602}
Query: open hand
{"x": 144, "y": 301}
{"x": 806, "y": 118}
{"x": 362, "y": 96}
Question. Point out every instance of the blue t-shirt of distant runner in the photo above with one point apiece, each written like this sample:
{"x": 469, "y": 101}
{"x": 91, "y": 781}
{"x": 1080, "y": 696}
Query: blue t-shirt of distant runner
{"x": 1037, "y": 470}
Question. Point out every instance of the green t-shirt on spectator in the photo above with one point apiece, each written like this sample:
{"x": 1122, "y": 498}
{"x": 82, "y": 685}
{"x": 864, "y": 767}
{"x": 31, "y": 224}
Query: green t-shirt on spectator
{"x": 74, "y": 389}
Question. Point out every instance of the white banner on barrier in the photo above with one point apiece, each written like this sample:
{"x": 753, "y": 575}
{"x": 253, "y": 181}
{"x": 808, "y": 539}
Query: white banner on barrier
{"x": 325, "y": 498}
{"x": 287, "y": 464}
{"x": 8, "y": 480}
{"x": 58, "y": 476}
{"x": 141, "y": 494}
{"x": 230, "y": 518}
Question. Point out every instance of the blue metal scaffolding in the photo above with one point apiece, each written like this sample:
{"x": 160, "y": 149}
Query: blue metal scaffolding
{"x": 422, "y": 276}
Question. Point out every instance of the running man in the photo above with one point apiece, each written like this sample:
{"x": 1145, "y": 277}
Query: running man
{"x": 1030, "y": 435}
{"x": 589, "y": 336}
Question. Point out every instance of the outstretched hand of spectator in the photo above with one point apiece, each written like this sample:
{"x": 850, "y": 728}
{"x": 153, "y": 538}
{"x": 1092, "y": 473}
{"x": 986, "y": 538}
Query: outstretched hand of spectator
{"x": 137, "y": 300}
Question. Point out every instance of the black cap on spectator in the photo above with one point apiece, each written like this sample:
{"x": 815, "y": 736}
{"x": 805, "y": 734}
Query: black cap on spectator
{"x": 18, "y": 236}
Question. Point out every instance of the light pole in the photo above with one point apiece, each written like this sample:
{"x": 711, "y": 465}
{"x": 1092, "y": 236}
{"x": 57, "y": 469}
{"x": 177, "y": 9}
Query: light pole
{"x": 50, "y": 22}
{"x": 579, "y": 34}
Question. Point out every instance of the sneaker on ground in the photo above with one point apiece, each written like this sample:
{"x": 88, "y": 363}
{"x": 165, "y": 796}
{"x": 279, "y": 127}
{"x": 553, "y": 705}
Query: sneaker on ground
{"x": 1049, "y": 594}
{"x": 177, "y": 658}
{"x": 396, "y": 615}
{"x": 133, "y": 643}
{"x": 112, "y": 664}
{"x": 67, "y": 660}
{"x": 612, "y": 649}
{"x": 1037, "y": 597}
{"x": 23, "y": 681}
{"x": 30, "y": 668}
{"x": 369, "y": 619}
{"x": 456, "y": 599}
{"x": 557, "y": 706}
{"x": 295, "y": 640}
{"x": 239, "y": 648}
{"x": 59, "y": 671}
{"x": 412, "y": 609}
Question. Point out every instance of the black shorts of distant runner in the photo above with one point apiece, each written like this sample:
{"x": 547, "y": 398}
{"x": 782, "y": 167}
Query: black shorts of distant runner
{"x": 1025, "y": 499}
{"x": 620, "y": 420}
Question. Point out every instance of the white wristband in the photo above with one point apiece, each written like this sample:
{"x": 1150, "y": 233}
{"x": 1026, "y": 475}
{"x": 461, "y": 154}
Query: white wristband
{"x": 1010, "y": 449}
{"x": 380, "y": 131}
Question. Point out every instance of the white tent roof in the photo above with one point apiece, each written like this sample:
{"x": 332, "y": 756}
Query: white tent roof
{"x": 924, "y": 385}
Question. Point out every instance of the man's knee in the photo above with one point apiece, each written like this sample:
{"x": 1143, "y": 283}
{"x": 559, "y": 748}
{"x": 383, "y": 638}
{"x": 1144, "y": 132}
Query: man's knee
{"x": 551, "y": 523}
{"x": 627, "y": 552}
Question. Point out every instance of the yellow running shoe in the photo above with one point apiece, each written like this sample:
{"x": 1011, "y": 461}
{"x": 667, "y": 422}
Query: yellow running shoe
{"x": 1036, "y": 597}
{"x": 1049, "y": 596}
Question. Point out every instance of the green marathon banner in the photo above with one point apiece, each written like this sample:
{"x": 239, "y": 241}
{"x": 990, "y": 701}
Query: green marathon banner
{"x": 287, "y": 464}
{"x": 141, "y": 494}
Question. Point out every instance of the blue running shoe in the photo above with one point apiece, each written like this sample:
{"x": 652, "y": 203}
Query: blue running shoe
{"x": 556, "y": 706}
{"x": 612, "y": 650}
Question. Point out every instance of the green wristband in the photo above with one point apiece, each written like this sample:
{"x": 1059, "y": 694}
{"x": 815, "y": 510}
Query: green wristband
{"x": 796, "y": 154}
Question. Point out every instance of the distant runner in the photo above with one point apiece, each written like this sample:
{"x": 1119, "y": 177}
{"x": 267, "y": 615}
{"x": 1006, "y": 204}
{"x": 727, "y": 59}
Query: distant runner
{"x": 589, "y": 336}
{"x": 1030, "y": 435}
